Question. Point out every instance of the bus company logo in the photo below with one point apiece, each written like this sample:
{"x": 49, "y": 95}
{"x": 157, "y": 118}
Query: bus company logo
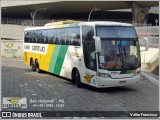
{"x": 88, "y": 77}
{"x": 14, "y": 102}
{"x": 8, "y": 44}
{"x": 38, "y": 48}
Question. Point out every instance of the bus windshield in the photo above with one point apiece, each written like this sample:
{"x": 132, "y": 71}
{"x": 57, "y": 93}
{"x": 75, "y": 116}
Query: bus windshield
{"x": 116, "y": 32}
{"x": 118, "y": 51}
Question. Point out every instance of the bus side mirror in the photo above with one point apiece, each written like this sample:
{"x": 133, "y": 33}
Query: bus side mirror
{"x": 145, "y": 42}
{"x": 97, "y": 43}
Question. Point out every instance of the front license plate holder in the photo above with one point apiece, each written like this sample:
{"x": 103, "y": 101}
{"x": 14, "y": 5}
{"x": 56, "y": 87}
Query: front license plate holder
{"x": 122, "y": 82}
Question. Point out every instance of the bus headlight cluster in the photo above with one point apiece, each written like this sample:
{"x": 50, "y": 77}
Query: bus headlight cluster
{"x": 138, "y": 73}
{"x": 105, "y": 75}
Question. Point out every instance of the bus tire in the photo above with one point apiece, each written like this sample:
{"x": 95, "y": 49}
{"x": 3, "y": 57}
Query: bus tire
{"x": 33, "y": 67}
{"x": 76, "y": 78}
{"x": 37, "y": 67}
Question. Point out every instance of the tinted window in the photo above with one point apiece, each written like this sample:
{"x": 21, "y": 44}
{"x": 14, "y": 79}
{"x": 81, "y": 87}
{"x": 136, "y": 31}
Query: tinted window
{"x": 61, "y": 36}
{"x": 89, "y": 47}
{"x": 73, "y": 36}
{"x": 40, "y": 36}
{"x": 51, "y": 36}
{"x": 31, "y": 36}
{"x": 56, "y": 40}
{"x": 26, "y": 37}
{"x": 115, "y": 32}
{"x": 44, "y": 36}
{"x": 87, "y": 33}
{"x": 37, "y": 36}
{"x": 34, "y": 36}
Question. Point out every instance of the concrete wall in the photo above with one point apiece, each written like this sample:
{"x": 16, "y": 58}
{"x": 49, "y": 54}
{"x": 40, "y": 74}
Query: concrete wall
{"x": 11, "y": 49}
{"x": 150, "y": 55}
{"x": 12, "y": 31}
{"x": 23, "y": 2}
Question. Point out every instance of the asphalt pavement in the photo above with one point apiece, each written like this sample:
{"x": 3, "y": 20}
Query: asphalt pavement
{"x": 19, "y": 81}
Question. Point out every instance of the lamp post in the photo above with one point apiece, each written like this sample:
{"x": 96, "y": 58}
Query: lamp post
{"x": 95, "y": 9}
{"x": 36, "y": 12}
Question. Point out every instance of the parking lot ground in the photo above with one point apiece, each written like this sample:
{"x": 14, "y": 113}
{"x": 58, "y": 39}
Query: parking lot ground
{"x": 19, "y": 81}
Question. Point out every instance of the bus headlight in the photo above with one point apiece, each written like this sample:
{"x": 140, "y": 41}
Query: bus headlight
{"x": 105, "y": 75}
{"x": 138, "y": 73}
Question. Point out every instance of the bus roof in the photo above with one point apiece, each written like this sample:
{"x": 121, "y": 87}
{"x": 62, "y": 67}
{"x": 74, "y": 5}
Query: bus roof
{"x": 105, "y": 23}
{"x": 78, "y": 23}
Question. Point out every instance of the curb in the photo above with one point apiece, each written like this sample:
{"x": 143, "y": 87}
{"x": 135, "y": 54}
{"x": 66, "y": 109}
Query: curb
{"x": 150, "y": 78}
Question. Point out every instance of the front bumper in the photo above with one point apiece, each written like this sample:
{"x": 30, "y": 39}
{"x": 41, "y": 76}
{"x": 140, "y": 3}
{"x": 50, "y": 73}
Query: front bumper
{"x": 109, "y": 82}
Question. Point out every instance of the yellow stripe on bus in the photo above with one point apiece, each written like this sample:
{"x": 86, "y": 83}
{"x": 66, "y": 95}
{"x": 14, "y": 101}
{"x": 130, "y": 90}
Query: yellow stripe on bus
{"x": 48, "y": 57}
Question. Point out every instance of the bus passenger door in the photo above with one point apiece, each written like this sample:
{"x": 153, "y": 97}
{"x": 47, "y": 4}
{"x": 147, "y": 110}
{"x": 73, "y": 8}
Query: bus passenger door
{"x": 89, "y": 56}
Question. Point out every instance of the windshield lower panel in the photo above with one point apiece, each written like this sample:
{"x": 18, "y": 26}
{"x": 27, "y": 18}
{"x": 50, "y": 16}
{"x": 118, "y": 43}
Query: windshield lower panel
{"x": 118, "y": 54}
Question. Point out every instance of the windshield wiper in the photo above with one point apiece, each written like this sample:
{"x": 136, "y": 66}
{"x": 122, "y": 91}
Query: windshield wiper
{"x": 126, "y": 56}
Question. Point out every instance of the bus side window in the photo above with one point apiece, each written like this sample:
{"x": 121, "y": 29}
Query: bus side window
{"x": 31, "y": 40}
{"x": 59, "y": 36}
{"x": 54, "y": 36}
{"x": 56, "y": 41}
{"x": 68, "y": 39}
{"x": 51, "y": 36}
{"x": 40, "y": 37}
{"x": 62, "y": 36}
{"x": 37, "y": 36}
{"x": 46, "y": 37}
{"x": 43, "y": 36}
{"x": 73, "y": 36}
{"x": 26, "y": 37}
{"x": 76, "y": 37}
{"x": 30, "y": 36}
{"x": 33, "y": 36}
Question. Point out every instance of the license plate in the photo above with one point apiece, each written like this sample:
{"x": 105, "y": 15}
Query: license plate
{"x": 120, "y": 82}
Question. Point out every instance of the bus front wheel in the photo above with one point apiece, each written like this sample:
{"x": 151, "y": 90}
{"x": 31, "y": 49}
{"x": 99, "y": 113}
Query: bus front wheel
{"x": 76, "y": 78}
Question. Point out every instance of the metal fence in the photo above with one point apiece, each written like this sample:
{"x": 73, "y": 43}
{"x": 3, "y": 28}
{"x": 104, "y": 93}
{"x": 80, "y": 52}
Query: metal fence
{"x": 26, "y": 22}
{"x": 151, "y": 32}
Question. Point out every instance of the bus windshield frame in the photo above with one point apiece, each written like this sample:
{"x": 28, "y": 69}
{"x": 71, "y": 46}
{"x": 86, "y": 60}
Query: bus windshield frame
{"x": 120, "y": 48}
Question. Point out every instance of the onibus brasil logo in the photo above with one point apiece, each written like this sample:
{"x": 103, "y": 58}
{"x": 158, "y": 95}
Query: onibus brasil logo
{"x": 14, "y": 102}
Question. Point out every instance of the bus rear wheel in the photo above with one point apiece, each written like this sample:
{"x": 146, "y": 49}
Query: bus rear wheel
{"x": 37, "y": 67}
{"x": 76, "y": 78}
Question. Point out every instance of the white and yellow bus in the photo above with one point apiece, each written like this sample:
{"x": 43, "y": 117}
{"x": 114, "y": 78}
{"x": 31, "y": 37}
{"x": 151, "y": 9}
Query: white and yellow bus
{"x": 100, "y": 54}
